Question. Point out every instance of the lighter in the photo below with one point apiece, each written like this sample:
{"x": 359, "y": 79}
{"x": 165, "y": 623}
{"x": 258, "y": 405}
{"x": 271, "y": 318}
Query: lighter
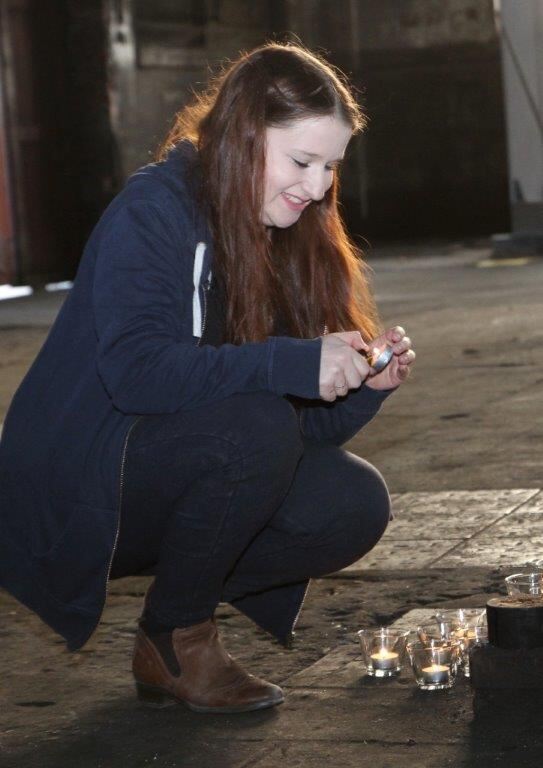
{"x": 378, "y": 358}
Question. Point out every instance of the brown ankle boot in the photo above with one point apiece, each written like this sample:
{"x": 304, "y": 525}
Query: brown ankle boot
{"x": 191, "y": 666}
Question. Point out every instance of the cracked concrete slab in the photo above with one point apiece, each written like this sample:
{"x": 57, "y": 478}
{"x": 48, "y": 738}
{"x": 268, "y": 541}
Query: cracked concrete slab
{"x": 465, "y": 502}
{"x": 520, "y": 523}
{"x": 449, "y": 529}
{"x": 500, "y": 552}
{"x": 395, "y": 554}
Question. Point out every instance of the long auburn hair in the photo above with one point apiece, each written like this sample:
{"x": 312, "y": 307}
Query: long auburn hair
{"x": 310, "y": 273}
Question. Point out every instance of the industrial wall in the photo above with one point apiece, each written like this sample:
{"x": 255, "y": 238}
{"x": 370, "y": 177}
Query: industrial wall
{"x": 104, "y": 78}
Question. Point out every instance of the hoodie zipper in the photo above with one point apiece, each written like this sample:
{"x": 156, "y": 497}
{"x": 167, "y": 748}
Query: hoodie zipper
{"x": 289, "y": 640}
{"x": 205, "y": 286}
{"x": 121, "y": 481}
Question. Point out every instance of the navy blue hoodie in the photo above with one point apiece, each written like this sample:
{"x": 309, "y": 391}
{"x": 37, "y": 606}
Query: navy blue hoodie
{"x": 126, "y": 343}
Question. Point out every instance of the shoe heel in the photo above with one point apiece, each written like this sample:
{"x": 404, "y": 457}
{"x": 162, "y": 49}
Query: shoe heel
{"x": 153, "y": 697}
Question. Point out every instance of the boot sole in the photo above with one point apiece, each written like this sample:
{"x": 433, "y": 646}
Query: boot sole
{"x": 158, "y": 698}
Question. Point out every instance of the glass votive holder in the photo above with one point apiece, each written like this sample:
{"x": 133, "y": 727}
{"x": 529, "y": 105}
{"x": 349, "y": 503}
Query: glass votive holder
{"x": 434, "y": 663}
{"x": 525, "y": 583}
{"x": 383, "y": 651}
{"x": 464, "y": 625}
{"x": 434, "y": 631}
{"x": 477, "y": 635}
{"x": 459, "y": 618}
{"x": 480, "y": 634}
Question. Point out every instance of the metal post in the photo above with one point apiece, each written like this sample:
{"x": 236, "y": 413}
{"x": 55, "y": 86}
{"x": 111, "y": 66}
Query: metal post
{"x": 10, "y": 262}
{"x": 520, "y": 24}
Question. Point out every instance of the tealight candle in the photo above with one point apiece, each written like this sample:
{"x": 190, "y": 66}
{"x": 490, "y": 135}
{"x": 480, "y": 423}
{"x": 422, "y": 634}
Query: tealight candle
{"x": 384, "y": 659}
{"x": 436, "y": 673}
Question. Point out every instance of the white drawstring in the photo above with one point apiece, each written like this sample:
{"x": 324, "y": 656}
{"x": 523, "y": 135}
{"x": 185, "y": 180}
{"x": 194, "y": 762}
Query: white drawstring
{"x": 196, "y": 276}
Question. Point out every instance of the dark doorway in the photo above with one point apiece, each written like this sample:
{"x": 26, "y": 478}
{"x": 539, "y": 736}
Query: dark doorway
{"x": 58, "y": 136}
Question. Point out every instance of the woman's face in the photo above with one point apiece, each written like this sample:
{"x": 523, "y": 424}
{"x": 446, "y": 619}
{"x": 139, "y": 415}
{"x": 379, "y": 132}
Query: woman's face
{"x": 300, "y": 162}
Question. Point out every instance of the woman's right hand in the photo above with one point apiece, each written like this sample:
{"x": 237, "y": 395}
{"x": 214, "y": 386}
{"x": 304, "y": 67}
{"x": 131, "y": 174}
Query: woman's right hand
{"x": 342, "y": 367}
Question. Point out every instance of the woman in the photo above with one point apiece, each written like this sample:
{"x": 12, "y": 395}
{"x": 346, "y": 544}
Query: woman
{"x": 187, "y": 409}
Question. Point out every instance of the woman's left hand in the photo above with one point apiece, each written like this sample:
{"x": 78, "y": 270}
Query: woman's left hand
{"x": 398, "y": 369}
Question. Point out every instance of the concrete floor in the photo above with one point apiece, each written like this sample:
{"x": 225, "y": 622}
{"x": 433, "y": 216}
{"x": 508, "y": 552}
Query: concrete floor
{"x": 460, "y": 445}
{"x": 469, "y": 417}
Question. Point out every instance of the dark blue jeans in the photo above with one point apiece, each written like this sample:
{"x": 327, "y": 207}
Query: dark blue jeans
{"x": 229, "y": 499}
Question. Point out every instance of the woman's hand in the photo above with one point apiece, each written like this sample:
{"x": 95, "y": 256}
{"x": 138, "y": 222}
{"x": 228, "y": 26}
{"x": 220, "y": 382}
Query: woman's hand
{"x": 399, "y": 367}
{"x": 342, "y": 367}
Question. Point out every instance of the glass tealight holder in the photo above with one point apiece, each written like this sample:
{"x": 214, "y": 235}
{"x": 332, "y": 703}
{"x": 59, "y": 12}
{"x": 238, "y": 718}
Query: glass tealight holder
{"x": 477, "y": 635}
{"x": 460, "y": 618}
{"x": 434, "y": 663}
{"x": 480, "y": 637}
{"x": 525, "y": 583}
{"x": 434, "y": 631}
{"x": 464, "y": 625}
{"x": 383, "y": 651}
{"x": 439, "y": 633}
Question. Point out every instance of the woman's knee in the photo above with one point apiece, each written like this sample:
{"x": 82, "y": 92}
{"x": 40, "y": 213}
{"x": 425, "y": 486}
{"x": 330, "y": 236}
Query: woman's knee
{"x": 374, "y": 510}
{"x": 363, "y": 509}
{"x": 378, "y": 491}
{"x": 354, "y": 522}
